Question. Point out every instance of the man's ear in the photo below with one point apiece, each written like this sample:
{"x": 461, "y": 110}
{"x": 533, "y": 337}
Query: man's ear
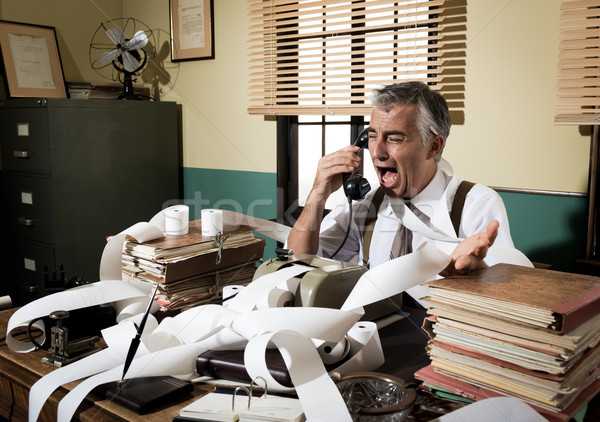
{"x": 435, "y": 146}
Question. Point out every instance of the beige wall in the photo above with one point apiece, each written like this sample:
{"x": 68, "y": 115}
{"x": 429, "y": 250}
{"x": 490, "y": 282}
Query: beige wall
{"x": 508, "y": 137}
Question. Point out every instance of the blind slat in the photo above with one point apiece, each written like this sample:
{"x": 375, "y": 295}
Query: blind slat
{"x": 577, "y": 4}
{"x": 579, "y": 92}
{"x": 578, "y": 82}
{"x": 579, "y": 53}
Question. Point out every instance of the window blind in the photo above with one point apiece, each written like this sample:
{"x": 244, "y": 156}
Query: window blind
{"x": 579, "y": 63}
{"x": 324, "y": 57}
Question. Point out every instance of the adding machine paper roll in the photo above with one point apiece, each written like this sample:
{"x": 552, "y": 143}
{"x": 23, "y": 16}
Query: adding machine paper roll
{"x": 212, "y": 222}
{"x": 276, "y": 298}
{"x": 177, "y": 219}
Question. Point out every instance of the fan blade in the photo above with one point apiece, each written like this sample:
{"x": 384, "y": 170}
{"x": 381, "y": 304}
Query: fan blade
{"x": 107, "y": 57}
{"x": 139, "y": 40}
{"x": 115, "y": 35}
{"x": 130, "y": 63}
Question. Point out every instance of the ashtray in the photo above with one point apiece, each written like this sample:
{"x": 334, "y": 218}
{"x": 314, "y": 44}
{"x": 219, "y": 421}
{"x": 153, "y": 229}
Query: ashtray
{"x": 376, "y": 397}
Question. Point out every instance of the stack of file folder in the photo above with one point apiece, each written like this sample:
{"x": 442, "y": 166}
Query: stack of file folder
{"x": 516, "y": 331}
{"x": 192, "y": 269}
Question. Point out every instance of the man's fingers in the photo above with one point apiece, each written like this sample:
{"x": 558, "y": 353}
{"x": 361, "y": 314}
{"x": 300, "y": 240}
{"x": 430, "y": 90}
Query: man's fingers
{"x": 492, "y": 231}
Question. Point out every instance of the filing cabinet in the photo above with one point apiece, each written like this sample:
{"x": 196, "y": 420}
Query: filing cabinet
{"x": 73, "y": 173}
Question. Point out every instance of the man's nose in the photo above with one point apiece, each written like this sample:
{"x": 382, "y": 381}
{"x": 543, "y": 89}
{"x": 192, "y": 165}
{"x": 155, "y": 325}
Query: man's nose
{"x": 378, "y": 149}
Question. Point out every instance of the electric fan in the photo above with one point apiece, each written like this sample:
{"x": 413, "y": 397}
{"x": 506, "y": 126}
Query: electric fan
{"x": 127, "y": 45}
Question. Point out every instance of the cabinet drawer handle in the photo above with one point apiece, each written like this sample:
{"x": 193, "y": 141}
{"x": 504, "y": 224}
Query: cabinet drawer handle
{"x": 28, "y": 222}
{"x": 22, "y": 154}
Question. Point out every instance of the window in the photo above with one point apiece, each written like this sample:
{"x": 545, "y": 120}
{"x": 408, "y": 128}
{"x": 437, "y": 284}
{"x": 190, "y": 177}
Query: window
{"x": 301, "y": 142}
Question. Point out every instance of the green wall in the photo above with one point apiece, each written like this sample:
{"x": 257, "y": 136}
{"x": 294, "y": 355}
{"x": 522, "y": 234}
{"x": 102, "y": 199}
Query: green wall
{"x": 547, "y": 228}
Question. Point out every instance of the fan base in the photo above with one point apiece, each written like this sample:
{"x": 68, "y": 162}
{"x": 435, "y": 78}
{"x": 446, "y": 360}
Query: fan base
{"x": 129, "y": 96}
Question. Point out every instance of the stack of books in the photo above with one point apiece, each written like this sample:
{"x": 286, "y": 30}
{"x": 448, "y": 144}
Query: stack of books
{"x": 192, "y": 269}
{"x": 516, "y": 331}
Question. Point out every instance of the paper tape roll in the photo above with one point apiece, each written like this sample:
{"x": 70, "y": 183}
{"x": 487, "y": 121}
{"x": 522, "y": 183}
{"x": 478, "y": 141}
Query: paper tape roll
{"x": 276, "y": 298}
{"x": 212, "y": 222}
{"x": 176, "y": 219}
{"x": 5, "y": 302}
{"x": 331, "y": 352}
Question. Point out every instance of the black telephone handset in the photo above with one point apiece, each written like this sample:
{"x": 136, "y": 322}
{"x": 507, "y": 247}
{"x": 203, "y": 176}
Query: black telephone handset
{"x": 356, "y": 186}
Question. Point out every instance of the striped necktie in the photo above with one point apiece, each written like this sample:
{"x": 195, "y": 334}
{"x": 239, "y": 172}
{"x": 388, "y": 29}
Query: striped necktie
{"x": 402, "y": 244}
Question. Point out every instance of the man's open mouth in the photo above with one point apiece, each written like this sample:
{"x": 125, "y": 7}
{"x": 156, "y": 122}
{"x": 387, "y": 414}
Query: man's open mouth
{"x": 388, "y": 175}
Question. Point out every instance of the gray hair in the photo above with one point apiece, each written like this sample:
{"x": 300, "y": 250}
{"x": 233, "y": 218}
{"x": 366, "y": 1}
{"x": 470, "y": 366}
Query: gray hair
{"x": 431, "y": 107}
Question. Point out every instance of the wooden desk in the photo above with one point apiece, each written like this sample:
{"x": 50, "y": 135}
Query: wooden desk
{"x": 19, "y": 371}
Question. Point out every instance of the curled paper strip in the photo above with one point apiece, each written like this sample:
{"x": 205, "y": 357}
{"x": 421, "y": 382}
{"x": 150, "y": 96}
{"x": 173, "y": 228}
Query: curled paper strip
{"x": 397, "y": 275}
{"x": 320, "y": 398}
{"x": 98, "y": 293}
{"x": 110, "y": 262}
{"x": 271, "y": 229}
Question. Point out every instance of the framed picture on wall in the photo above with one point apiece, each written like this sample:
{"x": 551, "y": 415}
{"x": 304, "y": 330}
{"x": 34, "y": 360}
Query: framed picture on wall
{"x": 192, "y": 30}
{"x": 31, "y": 61}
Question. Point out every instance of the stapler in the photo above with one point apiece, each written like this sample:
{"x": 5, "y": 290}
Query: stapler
{"x": 63, "y": 351}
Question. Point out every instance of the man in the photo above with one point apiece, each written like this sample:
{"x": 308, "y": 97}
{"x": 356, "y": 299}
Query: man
{"x": 407, "y": 133}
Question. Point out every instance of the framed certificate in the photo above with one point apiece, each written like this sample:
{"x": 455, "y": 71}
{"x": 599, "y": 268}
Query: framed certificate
{"x": 192, "y": 31}
{"x": 32, "y": 66}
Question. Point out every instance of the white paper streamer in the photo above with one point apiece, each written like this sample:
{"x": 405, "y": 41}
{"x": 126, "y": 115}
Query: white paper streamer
{"x": 271, "y": 229}
{"x": 285, "y": 279}
{"x": 212, "y": 222}
{"x": 320, "y": 398}
{"x": 110, "y": 262}
{"x": 98, "y": 293}
{"x": 397, "y": 275}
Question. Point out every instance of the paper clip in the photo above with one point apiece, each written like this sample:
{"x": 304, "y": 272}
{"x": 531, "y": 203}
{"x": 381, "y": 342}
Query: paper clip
{"x": 252, "y": 385}
{"x": 219, "y": 240}
{"x": 235, "y": 392}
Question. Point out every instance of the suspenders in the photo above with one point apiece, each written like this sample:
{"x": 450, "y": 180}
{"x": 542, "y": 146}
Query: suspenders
{"x": 455, "y": 214}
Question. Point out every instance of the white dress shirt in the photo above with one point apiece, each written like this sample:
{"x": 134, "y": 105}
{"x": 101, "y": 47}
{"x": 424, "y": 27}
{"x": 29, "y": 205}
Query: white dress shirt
{"x": 482, "y": 205}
